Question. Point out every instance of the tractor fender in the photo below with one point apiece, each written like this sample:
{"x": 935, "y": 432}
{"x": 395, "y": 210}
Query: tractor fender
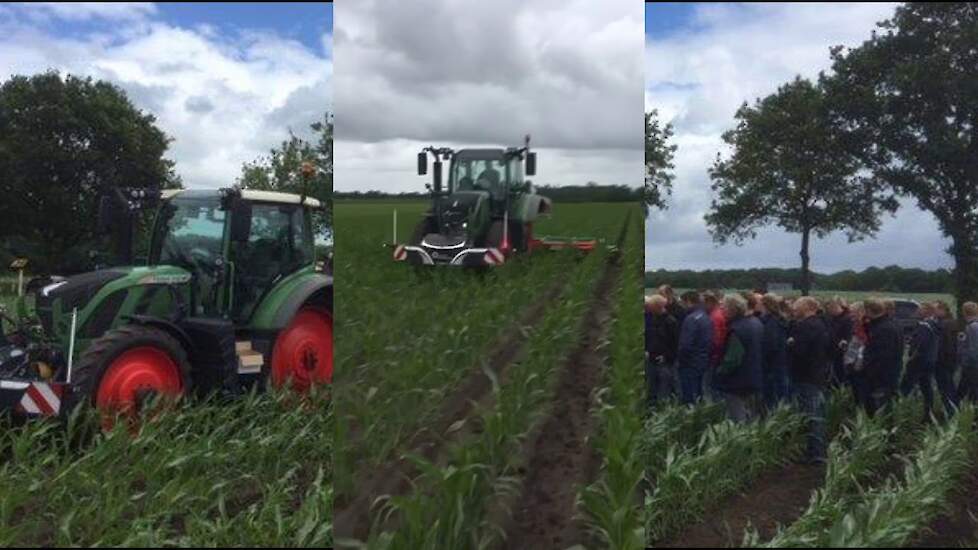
{"x": 301, "y": 293}
{"x": 167, "y": 326}
{"x": 532, "y": 207}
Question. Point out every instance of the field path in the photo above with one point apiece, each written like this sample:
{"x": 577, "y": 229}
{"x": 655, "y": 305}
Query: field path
{"x": 777, "y": 498}
{"x": 559, "y": 458}
{"x": 353, "y": 519}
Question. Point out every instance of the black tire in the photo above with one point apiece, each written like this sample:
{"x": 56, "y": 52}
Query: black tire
{"x": 424, "y": 227}
{"x": 88, "y": 370}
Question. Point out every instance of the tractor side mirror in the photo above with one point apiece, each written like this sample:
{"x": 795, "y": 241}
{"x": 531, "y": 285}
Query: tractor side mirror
{"x": 107, "y": 214}
{"x": 531, "y": 164}
{"x": 436, "y": 176}
{"x": 422, "y": 163}
{"x": 240, "y": 221}
{"x": 528, "y": 186}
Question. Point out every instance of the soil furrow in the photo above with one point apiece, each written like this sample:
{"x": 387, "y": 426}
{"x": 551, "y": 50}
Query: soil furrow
{"x": 559, "y": 458}
{"x": 353, "y": 519}
{"x": 776, "y": 498}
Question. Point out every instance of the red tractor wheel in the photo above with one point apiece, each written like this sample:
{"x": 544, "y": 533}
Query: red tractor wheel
{"x": 303, "y": 354}
{"x": 127, "y": 368}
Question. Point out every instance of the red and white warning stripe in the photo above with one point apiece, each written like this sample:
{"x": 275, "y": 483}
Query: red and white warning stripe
{"x": 400, "y": 254}
{"x": 42, "y": 398}
{"x": 494, "y": 256}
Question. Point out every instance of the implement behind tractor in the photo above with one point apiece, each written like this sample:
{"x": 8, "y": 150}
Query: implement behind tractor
{"x": 231, "y": 297}
{"x": 486, "y": 212}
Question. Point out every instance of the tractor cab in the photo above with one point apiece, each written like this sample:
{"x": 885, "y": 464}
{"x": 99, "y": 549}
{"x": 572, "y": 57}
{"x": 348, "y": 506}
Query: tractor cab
{"x": 235, "y": 244}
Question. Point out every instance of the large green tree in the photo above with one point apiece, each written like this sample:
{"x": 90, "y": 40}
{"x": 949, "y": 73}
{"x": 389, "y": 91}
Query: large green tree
{"x": 659, "y": 153}
{"x": 63, "y": 142}
{"x": 790, "y": 167}
{"x": 908, "y": 96}
{"x": 281, "y": 170}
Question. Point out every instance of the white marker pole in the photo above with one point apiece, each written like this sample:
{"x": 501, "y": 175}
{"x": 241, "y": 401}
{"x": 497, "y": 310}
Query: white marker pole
{"x": 71, "y": 343}
{"x": 20, "y": 283}
{"x": 395, "y": 226}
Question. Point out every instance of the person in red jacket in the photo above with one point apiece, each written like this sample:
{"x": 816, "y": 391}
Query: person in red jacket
{"x": 711, "y": 302}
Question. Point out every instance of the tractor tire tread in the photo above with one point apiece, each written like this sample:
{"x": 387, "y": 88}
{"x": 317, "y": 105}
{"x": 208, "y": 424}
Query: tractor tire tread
{"x": 92, "y": 364}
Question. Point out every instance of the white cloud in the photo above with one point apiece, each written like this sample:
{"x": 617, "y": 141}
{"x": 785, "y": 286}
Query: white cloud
{"x": 85, "y": 11}
{"x": 697, "y": 78}
{"x": 472, "y": 72}
{"x": 224, "y": 99}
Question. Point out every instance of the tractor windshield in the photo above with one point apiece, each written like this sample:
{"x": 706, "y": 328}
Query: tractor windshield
{"x": 495, "y": 176}
{"x": 189, "y": 233}
{"x": 480, "y": 175}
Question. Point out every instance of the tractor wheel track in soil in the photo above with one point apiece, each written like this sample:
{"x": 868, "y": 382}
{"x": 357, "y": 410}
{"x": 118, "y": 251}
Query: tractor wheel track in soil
{"x": 559, "y": 459}
{"x": 778, "y": 497}
{"x": 353, "y": 519}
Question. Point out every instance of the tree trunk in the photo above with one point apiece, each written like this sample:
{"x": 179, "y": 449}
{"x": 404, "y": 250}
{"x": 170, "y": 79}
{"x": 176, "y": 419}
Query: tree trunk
{"x": 964, "y": 248}
{"x": 806, "y": 278}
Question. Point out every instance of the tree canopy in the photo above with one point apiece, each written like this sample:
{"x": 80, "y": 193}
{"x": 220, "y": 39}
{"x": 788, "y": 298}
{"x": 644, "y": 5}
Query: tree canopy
{"x": 281, "y": 169}
{"x": 908, "y": 100}
{"x": 790, "y": 167}
{"x": 64, "y": 141}
{"x": 659, "y": 153}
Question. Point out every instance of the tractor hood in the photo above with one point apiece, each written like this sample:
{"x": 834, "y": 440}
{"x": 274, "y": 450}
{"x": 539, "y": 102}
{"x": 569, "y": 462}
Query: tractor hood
{"x": 98, "y": 296}
{"x": 73, "y": 292}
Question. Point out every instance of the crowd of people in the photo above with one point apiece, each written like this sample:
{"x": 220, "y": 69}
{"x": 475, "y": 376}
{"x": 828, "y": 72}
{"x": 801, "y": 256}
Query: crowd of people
{"x": 756, "y": 350}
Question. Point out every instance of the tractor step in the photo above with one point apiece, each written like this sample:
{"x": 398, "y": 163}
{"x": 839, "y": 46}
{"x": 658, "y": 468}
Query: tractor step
{"x": 249, "y": 360}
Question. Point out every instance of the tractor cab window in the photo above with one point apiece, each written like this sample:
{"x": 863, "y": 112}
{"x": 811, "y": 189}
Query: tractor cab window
{"x": 189, "y": 233}
{"x": 281, "y": 242}
{"x": 481, "y": 175}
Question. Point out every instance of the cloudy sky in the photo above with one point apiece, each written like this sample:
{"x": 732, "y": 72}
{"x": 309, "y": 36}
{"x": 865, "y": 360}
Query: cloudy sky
{"x": 444, "y": 72}
{"x": 701, "y": 62}
{"x": 225, "y": 81}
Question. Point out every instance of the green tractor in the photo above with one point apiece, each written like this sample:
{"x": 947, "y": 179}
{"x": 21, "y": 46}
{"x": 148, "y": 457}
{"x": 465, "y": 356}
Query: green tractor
{"x": 231, "y": 297}
{"x": 486, "y": 212}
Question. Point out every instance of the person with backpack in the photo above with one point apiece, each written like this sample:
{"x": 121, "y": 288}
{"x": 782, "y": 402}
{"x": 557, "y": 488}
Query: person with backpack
{"x": 738, "y": 374}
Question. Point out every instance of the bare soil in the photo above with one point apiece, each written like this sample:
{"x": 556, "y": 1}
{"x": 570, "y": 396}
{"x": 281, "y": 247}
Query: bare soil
{"x": 776, "y": 498}
{"x": 559, "y": 458}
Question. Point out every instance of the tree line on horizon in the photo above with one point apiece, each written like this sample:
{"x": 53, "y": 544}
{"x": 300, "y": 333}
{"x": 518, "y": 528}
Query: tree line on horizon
{"x": 873, "y": 279}
{"x": 591, "y": 192}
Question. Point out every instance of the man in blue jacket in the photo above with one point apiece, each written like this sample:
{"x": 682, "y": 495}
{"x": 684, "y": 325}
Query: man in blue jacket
{"x": 695, "y": 341}
{"x": 922, "y": 364}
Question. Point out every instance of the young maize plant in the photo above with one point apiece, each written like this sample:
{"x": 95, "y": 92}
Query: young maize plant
{"x": 454, "y": 505}
{"x": 612, "y": 503}
{"x": 857, "y": 456}
{"x": 891, "y": 514}
{"x": 252, "y": 472}
{"x": 727, "y": 457}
